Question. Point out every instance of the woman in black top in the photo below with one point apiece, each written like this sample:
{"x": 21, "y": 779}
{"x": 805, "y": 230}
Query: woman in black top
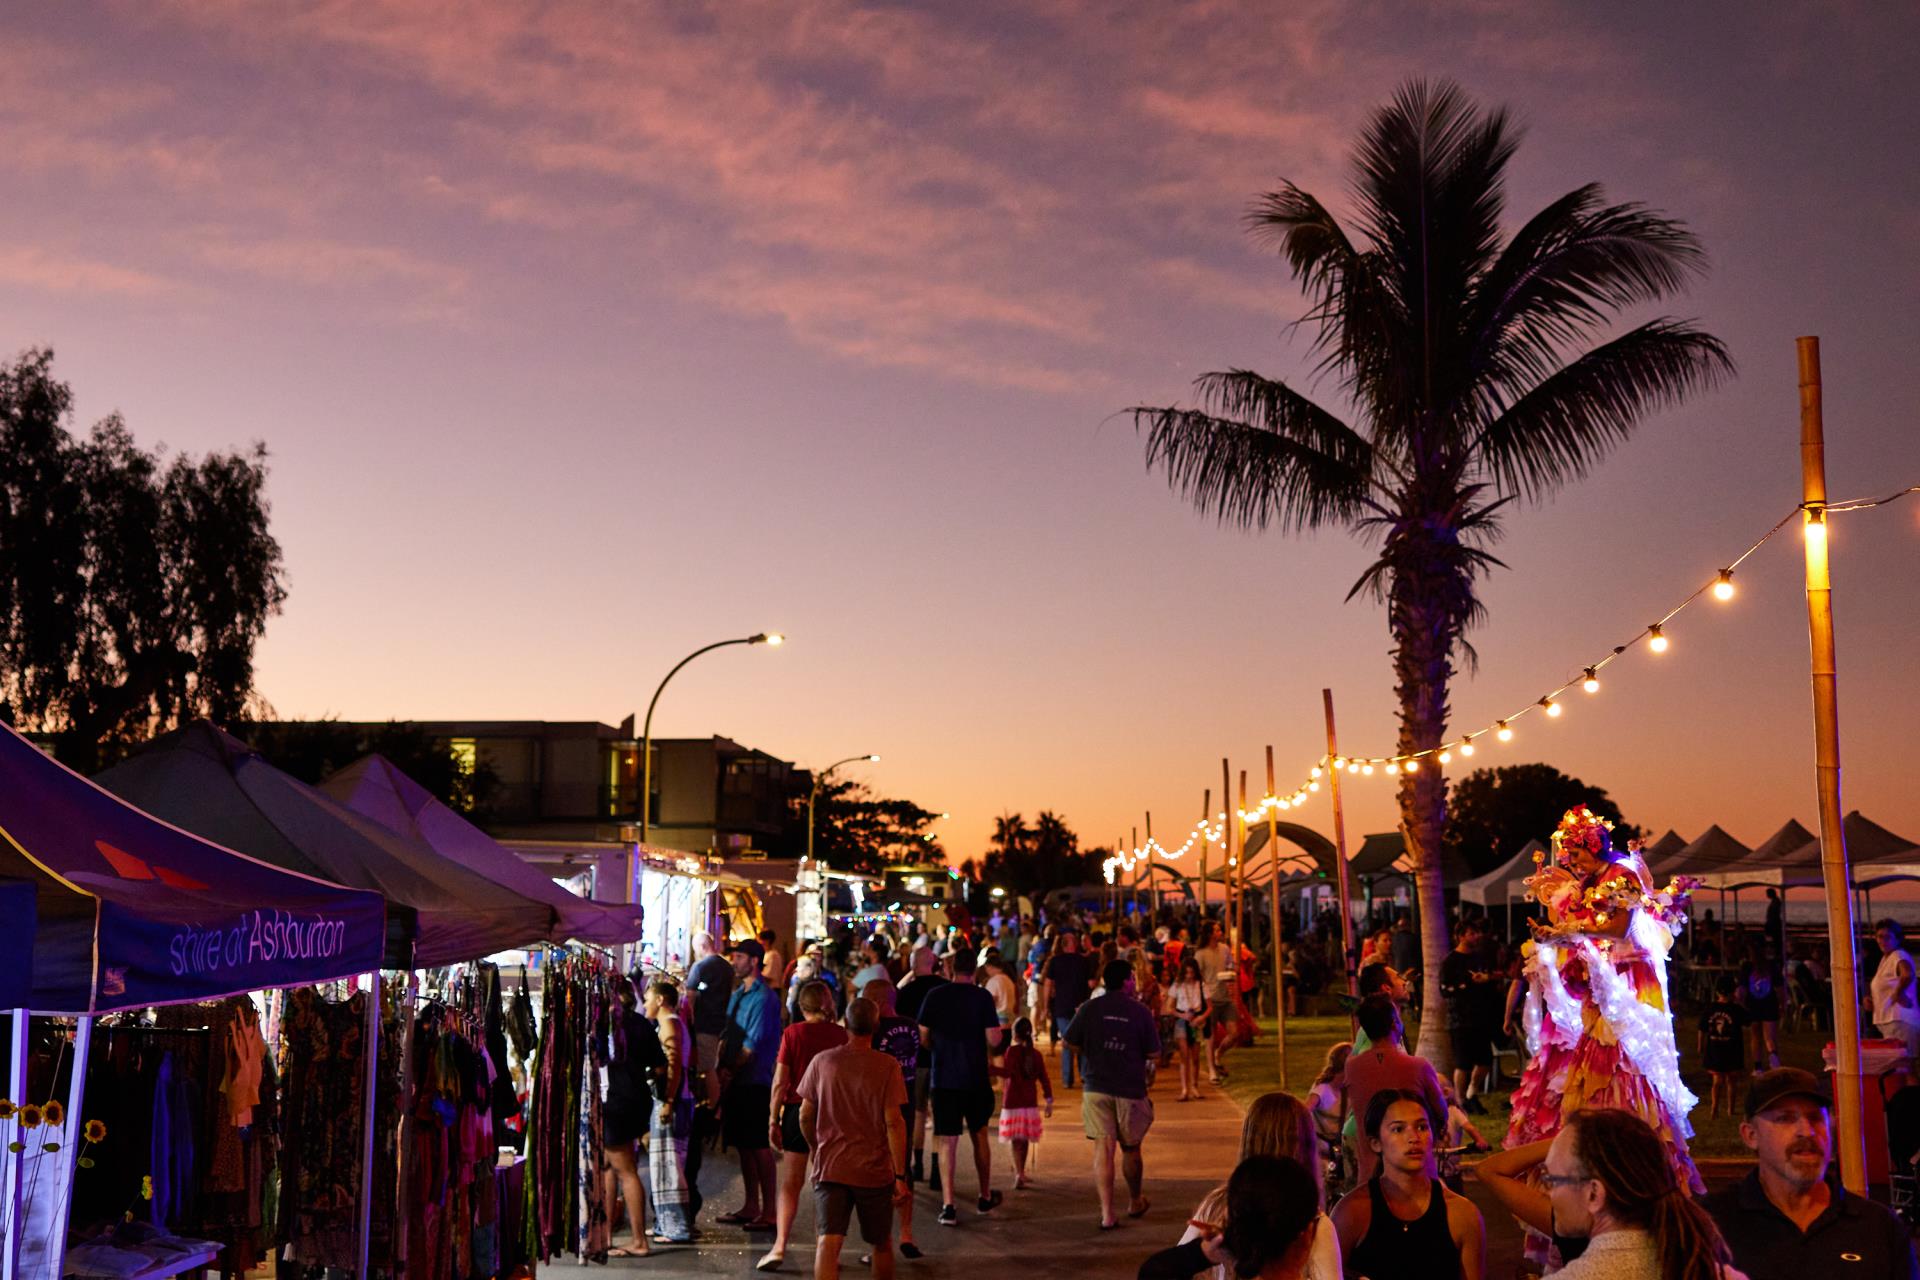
{"x": 1405, "y": 1224}
{"x": 1272, "y": 1202}
{"x": 633, "y": 1055}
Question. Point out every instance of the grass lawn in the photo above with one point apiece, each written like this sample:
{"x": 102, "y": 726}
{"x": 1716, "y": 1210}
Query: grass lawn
{"x": 1256, "y": 1070}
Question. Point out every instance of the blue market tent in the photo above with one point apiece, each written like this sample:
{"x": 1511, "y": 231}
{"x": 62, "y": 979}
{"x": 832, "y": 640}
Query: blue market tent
{"x": 16, "y": 943}
{"x": 133, "y": 912}
{"x": 212, "y": 783}
{"x": 374, "y": 788}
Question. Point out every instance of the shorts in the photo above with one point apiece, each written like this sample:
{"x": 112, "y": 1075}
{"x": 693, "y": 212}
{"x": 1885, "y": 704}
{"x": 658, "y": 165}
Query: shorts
{"x": 907, "y": 1114}
{"x": 623, "y": 1126}
{"x": 1472, "y": 1047}
{"x": 954, "y": 1109}
{"x": 1183, "y": 1032}
{"x": 792, "y": 1141}
{"x": 1125, "y": 1120}
{"x": 836, "y": 1203}
{"x": 1224, "y": 1012}
{"x": 744, "y": 1115}
{"x": 706, "y": 1051}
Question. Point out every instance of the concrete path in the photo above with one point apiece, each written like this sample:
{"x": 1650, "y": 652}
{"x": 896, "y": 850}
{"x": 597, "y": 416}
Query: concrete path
{"x": 1051, "y": 1229}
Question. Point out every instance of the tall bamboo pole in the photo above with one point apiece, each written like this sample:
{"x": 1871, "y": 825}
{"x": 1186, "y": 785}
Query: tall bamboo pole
{"x": 1134, "y": 892}
{"x": 1340, "y": 851}
{"x": 1226, "y": 839}
{"x": 1826, "y": 732}
{"x": 1206, "y": 815}
{"x": 1153, "y": 895}
{"x": 1273, "y": 912}
{"x": 1240, "y": 876}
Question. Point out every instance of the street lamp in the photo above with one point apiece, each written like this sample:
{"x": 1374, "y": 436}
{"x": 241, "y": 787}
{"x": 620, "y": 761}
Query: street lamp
{"x": 770, "y": 638}
{"x": 814, "y": 794}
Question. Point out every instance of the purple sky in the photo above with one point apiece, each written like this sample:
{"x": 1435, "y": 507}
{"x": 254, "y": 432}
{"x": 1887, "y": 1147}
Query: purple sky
{"x": 584, "y": 333}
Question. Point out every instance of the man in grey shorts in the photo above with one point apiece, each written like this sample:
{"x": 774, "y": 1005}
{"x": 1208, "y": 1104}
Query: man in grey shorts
{"x": 709, "y": 984}
{"x": 851, "y": 1099}
{"x": 1119, "y": 1041}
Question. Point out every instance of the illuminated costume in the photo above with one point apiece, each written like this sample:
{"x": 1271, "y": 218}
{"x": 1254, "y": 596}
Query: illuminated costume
{"x": 1598, "y": 1021}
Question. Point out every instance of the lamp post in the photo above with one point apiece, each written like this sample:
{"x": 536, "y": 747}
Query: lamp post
{"x": 772, "y": 638}
{"x": 814, "y": 794}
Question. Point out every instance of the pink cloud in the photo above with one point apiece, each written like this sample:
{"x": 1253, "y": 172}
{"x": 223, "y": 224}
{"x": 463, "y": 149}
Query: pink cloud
{"x": 52, "y": 272}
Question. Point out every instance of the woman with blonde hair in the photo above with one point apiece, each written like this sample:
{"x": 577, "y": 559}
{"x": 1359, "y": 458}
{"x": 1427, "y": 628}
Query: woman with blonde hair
{"x": 1277, "y": 1124}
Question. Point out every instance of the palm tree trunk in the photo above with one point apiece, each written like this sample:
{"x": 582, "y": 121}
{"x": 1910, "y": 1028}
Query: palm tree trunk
{"x": 1425, "y": 632}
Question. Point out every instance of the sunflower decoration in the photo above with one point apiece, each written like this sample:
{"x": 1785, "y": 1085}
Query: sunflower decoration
{"x": 31, "y": 1116}
{"x": 55, "y": 1112}
{"x": 7, "y": 1109}
{"x": 95, "y": 1131}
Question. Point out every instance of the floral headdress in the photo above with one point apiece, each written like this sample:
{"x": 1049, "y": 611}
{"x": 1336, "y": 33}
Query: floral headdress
{"x": 1582, "y": 828}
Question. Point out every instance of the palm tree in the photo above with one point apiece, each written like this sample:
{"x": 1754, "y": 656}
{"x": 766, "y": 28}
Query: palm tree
{"x": 1011, "y": 835}
{"x": 1479, "y": 368}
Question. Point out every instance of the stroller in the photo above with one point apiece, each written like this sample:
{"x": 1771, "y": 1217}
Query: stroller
{"x": 1902, "y": 1108}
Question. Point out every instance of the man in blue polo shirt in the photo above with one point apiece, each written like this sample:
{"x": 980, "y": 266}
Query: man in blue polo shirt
{"x": 1785, "y": 1221}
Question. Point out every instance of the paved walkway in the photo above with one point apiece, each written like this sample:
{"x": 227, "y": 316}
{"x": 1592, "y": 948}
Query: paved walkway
{"x": 1051, "y": 1229}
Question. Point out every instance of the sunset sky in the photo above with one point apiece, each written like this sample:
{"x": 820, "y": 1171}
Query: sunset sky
{"x": 586, "y": 332}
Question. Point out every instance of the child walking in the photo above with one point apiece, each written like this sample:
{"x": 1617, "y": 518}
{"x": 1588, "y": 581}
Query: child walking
{"x": 1187, "y": 1001}
{"x": 1025, "y": 1071}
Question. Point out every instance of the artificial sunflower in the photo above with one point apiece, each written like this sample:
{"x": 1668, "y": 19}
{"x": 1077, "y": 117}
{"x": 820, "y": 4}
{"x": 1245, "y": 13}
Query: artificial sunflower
{"x": 7, "y": 1109}
{"x": 96, "y": 1131}
{"x": 56, "y": 1112}
{"x": 31, "y": 1116}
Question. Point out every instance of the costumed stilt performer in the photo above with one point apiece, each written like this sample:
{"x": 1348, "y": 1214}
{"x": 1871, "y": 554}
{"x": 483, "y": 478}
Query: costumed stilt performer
{"x": 1598, "y": 1019}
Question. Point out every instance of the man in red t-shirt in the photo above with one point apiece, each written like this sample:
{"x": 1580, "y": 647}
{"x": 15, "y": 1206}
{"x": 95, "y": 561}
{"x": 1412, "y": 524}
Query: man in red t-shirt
{"x": 850, "y": 1113}
{"x": 1385, "y": 1065}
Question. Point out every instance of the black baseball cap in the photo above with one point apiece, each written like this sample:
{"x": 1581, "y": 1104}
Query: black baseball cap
{"x": 1786, "y": 1082}
{"x": 749, "y": 945}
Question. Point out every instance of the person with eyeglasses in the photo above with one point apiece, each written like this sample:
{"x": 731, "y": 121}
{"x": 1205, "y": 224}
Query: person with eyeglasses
{"x": 1610, "y": 1178}
{"x": 1404, "y": 1224}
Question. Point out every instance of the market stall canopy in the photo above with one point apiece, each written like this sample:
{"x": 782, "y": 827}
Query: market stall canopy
{"x": 1712, "y": 850}
{"x": 374, "y": 788}
{"x": 1661, "y": 852}
{"x": 1504, "y": 883}
{"x": 1788, "y": 858}
{"x": 16, "y": 943}
{"x": 211, "y": 783}
{"x": 134, "y": 912}
{"x": 1870, "y": 843}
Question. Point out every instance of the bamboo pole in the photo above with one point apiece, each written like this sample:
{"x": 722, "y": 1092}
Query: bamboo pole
{"x": 1226, "y": 839}
{"x": 1153, "y": 885}
{"x": 1826, "y": 733}
{"x": 1340, "y": 851}
{"x": 1273, "y": 909}
{"x": 1240, "y": 877}
{"x": 1135, "y": 893}
{"x": 1206, "y": 815}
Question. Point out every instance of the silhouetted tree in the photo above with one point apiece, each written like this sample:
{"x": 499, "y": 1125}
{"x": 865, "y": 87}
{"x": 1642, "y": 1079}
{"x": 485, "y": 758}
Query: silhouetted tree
{"x": 1492, "y": 813}
{"x": 133, "y": 586}
{"x": 1463, "y": 353}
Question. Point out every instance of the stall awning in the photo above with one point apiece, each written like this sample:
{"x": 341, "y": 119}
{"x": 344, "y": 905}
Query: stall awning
{"x": 134, "y": 912}
{"x": 16, "y": 943}
{"x": 211, "y": 783}
{"x": 374, "y": 788}
{"x": 1503, "y": 883}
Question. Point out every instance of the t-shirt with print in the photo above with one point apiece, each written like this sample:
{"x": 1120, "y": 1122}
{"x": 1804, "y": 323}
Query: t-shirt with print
{"x": 899, "y": 1039}
{"x": 958, "y": 1015}
{"x": 1721, "y": 1027}
{"x": 800, "y": 1044}
{"x": 854, "y": 1092}
{"x": 1116, "y": 1036}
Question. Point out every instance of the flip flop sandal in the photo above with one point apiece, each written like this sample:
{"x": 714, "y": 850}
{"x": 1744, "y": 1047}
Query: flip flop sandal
{"x": 1141, "y": 1212}
{"x": 733, "y": 1219}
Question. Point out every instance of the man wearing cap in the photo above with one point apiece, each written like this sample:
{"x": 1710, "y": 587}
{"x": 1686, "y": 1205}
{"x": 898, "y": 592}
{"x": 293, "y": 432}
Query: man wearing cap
{"x": 1785, "y": 1221}
{"x": 754, "y": 1030}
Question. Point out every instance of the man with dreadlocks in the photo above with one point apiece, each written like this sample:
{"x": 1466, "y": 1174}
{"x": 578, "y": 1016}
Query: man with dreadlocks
{"x": 1598, "y": 1022}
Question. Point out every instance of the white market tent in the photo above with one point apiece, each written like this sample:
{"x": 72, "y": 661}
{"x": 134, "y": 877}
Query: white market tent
{"x": 1666, "y": 849}
{"x": 1504, "y": 884}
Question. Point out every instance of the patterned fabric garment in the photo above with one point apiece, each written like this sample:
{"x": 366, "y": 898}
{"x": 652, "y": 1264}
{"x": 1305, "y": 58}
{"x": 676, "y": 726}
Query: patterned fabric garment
{"x": 324, "y": 1046}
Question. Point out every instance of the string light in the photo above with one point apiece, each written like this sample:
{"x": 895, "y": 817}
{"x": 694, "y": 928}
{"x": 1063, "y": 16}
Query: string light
{"x": 1466, "y": 748}
{"x": 1413, "y": 766}
{"x": 1503, "y": 731}
{"x": 1656, "y": 639}
{"x": 1592, "y": 683}
{"x": 1723, "y": 588}
{"x": 1551, "y": 707}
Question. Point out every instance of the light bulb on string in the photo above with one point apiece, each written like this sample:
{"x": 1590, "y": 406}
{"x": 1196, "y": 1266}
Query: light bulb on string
{"x": 1314, "y": 772}
{"x": 1592, "y": 683}
{"x": 1393, "y": 766}
{"x": 1551, "y": 707}
{"x": 1353, "y": 768}
{"x": 1446, "y": 757}
{"x": 1723, "y": 586}
{"x": 1313, "y": 786}
{"x": 1413, "y": 766}
{"x": 1367, "y": 769}
{"x": 1503, "y": 731}
{"x": 1466, "y": 748}
{"x": 1656, "y": 639}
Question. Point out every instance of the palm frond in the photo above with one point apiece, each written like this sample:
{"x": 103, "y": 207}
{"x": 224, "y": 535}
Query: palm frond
{"x": 1353, "y": 313}
{"x": 1570, "y": 419}
{"x": 1259, "y": 453}
{"x": 1569, "y": 270}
